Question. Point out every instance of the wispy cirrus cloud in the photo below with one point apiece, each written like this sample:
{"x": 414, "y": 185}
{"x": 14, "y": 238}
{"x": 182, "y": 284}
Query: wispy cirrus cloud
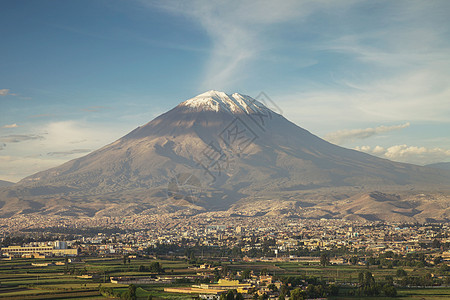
{"x": 392, "y": 66}
{"x": 238, "y": 31}
{"x": 41, "y": 116}
{"x": 10, "y": 126}
{"x": 70, "y": 152}
{"x": 94, "y": 108}
{"x": 343, "y": 136}
{"x": 17, "y": 138}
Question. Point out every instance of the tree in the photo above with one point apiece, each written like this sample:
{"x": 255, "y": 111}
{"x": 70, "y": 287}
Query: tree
{"x": 368, "y": 279}
{"x": 297, "y": 294}
{"x": 315, "y": 291}
{"x": 361, "y": 278}
{"x": 444, "y": 268}
{"x": 390, "y": 291}
{"x": 284, "y": 290}
{"x": 156, "y": 267}
{"x": 246, "y": 274}
{"x": 272, "y": 287}
{"x": 368, "y": 286}
{"x": 107, "y": 291}
{"x": 263, "y": 297}
{"x": 132, "y": 292}
{"x": 334, "y": 290}
{"x": 239, "y": 296}
{"x": 324, "y": 259}
{"x": 231, "y": 295}
{"x": 437, "y": 260}
{"x": 427, "y": 279}
{"x": 236, "y": 252}
{"x": 436, "y": 243}
{"x": 401, "y": 273}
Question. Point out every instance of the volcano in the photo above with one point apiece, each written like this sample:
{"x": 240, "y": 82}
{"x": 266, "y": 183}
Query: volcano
{"x": 220, "y": 152}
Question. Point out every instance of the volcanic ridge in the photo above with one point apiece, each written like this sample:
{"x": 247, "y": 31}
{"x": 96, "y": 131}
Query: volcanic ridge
{"x": 232, "y": 153}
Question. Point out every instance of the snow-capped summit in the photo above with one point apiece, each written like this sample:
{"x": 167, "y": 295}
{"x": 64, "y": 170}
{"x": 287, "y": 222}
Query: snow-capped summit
{"x": 219, "y": 101}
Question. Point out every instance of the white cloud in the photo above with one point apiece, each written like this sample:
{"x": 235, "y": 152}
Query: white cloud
{"x": 10, "y": 126}
{"x": 51, "y": 145}
{"x": 14, "y": 168}
{"x": 4, "y": 92}
{"x": 409, "y": 154}
{"x": 378, "y": 150}
{"x": 61, "y": 136}
{"x": 343, "y": 136}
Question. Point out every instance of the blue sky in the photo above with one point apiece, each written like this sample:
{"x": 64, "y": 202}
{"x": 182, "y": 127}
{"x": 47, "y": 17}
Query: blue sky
{"x": 76, "y": 75}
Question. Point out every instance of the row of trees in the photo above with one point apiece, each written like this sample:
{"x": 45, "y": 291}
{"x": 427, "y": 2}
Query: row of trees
{"x": 231, "y": 295}
{"x": 154, "y": 267}
{"x": 109, "y": 292}
{"x": 313, "y": 291}
{"x": 390, "y": 260}
{"x": 369, "y": 287}
{"x": 425, "y": 279}
{"x": 264, "y": 248}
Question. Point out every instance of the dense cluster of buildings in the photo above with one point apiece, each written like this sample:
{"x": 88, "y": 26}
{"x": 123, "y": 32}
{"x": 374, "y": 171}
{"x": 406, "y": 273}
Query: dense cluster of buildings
{"x": 286, "y": 236}
{"x": 247, "y": 234}
{"x": 40, "y": 250}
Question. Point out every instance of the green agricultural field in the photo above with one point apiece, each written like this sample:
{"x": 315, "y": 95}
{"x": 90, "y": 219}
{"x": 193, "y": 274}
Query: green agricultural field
{"x": 20, "y": 280}
{"x": 158, "y": 293}
{"x": 425, "y": 293}
{"x": 404, "y": 294}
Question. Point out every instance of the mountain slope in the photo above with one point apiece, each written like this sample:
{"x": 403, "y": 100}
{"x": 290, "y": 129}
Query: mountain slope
{"x": 442, "y": 165}
{"x": 238, "y": 151}
{"x": 5, "y": 183}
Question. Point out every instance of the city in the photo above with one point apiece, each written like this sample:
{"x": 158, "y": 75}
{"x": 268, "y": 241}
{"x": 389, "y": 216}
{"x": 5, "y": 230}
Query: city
{"x": 208, "y": 255}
